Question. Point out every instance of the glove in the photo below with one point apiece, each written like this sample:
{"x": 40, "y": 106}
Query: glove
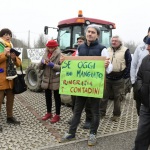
{"x": 1, "y": 70}
{"x": 51, "y": 64}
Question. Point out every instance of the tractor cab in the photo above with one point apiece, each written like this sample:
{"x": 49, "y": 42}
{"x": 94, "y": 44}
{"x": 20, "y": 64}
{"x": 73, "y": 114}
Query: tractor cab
{"x": 70, "y": 29}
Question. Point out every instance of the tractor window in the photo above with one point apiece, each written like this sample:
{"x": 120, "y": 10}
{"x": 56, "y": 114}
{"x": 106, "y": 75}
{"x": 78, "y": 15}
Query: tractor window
{"x": 64, "y": 35}
{"x": 105, "y": 36}
{"x": 76, "y": 34}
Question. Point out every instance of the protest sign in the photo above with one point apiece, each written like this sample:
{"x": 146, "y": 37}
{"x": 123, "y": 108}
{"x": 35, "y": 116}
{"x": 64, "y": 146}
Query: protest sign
{"x": 83, "y": 76}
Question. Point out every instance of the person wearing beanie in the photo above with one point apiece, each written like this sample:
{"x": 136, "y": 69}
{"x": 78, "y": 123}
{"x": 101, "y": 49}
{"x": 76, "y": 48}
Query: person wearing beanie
{"x": 7, "y": 62}
{"x": 148, "y": 43}
{"x": 87, "y": 124}
{"x": 139, "y": 53}
{"x": 91, "y": 47}
{"x": 142, "y": 140}
{"x": 50, "y": 79}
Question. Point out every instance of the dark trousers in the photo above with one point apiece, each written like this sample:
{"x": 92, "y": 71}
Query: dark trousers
{"x": 137, "y": 98}
{"x": 48, "y": 96}
{"x": 138, "y": 105}
{"x": 142, "y": 140}
{"x": 115, "y": 86}
{"x": 79, "y": 106}
{"x": 103, "y": 103}
{"x": 87, "y": 109}
{"x": 9, "y": 101}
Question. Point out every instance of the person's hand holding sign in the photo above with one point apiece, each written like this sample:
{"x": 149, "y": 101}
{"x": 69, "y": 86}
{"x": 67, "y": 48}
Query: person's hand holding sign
{"x": 107, "y": 62}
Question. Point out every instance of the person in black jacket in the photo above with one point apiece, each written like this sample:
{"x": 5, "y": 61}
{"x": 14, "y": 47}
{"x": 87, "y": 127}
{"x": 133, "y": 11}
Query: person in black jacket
{"x": 142, "y": 141}
{"x": 91, "y": 47}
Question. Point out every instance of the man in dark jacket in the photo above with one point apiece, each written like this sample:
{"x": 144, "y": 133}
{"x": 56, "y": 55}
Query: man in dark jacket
{"x": 91, "y": 47}
{"x": 142, "y": 141}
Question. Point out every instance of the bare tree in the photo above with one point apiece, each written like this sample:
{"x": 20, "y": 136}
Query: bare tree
{"x": 131, "y": 45}
{"x": 20, "y": 44}
{"x": 41, "y": 42}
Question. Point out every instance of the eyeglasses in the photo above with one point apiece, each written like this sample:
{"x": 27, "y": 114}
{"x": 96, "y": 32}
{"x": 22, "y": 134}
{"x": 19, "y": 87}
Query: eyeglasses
{"x": 6, "y": 34}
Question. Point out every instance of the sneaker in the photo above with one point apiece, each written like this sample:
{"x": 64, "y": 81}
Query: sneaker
{"x": 115, "y": 118}
{"x": 1, "y": 129}
{"x": 92, "y": 140}
{"x": 67, "y": 137}
{"x": 55, "y": 119}
{"x": 12, "y": 120}
{"x": 87, "y": 125}
{"x": 47, "y": 116}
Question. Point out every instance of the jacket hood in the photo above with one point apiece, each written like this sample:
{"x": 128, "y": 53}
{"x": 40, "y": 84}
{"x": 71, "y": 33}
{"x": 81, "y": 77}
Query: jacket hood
{"x": 145, "y": 39}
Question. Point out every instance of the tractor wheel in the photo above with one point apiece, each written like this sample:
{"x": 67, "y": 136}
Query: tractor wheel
{"x": 33, "y": 78}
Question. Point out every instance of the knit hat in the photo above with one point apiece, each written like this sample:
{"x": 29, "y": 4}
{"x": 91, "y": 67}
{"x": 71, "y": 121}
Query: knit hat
{"x": 96, "y": 27}
{"x": 149, "y": 29}
{"x": 148, "y": 41}
{"x": 52, "y": 43}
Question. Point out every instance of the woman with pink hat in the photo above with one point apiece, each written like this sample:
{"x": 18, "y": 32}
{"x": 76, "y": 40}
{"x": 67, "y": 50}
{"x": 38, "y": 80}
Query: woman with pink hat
{"x": 51, "y": 79}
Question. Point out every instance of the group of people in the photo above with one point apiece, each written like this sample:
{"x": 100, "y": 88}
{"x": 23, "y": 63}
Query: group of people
{"x": 119, "y": 66}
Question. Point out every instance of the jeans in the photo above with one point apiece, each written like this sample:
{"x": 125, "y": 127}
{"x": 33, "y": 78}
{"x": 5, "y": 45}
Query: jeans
{"x": 87, "y": 109}
{"x": 79, "y": 106}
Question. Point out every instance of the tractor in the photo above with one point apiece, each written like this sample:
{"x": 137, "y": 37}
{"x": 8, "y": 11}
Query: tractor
{"x": 68, "y": 32}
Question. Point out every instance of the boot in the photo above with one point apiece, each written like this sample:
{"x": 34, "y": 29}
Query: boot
{"x": 47, "y": 116}
{"x": 3, "y": 102}
{"x": 1, "y": 129}
{"x": 13, "y": 120}
{"x": 55, "y": 119}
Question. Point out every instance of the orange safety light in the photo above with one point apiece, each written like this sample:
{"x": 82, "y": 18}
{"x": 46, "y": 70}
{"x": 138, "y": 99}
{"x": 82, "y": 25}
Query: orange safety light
{"x": 80, "y": 20}
{"x": 80, "y": 13}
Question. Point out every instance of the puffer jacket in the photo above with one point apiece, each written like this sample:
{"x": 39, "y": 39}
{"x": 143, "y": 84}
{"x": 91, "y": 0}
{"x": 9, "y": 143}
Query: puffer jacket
{"x": 143, "y": 81}
{"x": 94, "y": 49}
{"x": 51, "y": 76}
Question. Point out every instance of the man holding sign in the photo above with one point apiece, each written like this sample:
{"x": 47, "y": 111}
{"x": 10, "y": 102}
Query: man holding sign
{"x": 91, "y": 47}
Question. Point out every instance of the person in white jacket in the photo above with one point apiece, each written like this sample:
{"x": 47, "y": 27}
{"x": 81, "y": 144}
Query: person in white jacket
{"x": 139, "y": 53}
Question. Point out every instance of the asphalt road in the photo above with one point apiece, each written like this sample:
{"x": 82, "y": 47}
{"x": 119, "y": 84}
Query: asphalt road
{"x": 117, "y": 141}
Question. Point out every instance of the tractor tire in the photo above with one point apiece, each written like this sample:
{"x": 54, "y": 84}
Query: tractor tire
{"x": 33, "y": 78}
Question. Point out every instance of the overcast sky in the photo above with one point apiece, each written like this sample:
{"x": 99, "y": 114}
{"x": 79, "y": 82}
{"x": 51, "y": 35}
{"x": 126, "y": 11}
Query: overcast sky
{"x": 131, "y": 17}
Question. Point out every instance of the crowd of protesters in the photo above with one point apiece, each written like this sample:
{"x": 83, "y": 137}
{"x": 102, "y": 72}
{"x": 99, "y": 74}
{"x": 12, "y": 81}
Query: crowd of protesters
{"x": 119, "y": 66}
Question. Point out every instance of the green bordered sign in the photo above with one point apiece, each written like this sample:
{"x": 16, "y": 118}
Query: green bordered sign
{"x": 83, "y": 76}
